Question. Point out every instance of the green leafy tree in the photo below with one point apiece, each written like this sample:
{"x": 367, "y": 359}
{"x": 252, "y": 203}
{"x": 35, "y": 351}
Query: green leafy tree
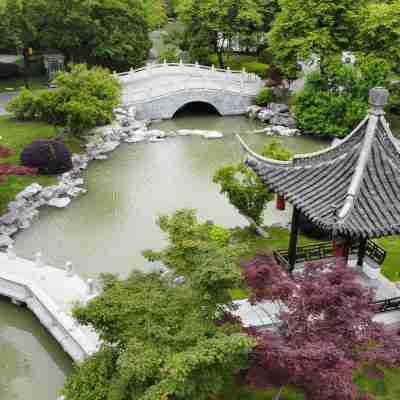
{"x": 112, "y": 33}
{"x": 307, "y": 28}
{"x": 220, "y": 22}
{"x": 156, "y": 13}
{"x": 337, "y": 109}
{"x": 158, "y": 344}
{"x": 203, "y": 253}
{"x": 244, "y": 190}
{"x": 380, "y": 31}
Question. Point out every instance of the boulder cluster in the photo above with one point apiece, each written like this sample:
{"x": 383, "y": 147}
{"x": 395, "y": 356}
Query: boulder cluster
{"x": 25, "y": 207}
{"x": 277, "y": 116}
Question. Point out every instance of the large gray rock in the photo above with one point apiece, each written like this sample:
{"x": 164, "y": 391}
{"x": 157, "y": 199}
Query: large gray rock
{"x": 30, "y": 191}
{"x": 284, "y": 120}
{"x": 59, "y": 202}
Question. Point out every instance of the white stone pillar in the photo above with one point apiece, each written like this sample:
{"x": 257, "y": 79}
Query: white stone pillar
{"x": 69, "y": 271}
{"x": 38, "y": 260}
{"x": 11, "y": 252}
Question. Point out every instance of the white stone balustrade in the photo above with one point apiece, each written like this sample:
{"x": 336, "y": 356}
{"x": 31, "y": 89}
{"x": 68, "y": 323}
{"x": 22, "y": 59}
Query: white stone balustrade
{"x": 50, "y": 294}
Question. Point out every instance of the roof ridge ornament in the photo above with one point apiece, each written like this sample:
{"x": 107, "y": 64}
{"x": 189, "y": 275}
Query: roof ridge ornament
{"x": 378, "y": 98}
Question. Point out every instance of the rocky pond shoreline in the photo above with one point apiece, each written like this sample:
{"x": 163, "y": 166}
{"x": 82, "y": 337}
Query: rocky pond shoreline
{"x": 99, "y": 143}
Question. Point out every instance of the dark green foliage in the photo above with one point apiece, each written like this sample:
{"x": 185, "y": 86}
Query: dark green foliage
{"x": 84, "y": 98}
{"x": 50, "y": 157}
{"x": 380, "y": 30}
{"x": 332, "y": 105}
{"x": 265, "y": 97}
{"x": 394, "y": 100}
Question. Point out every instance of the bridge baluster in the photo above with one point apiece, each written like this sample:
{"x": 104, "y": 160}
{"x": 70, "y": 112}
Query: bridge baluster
{"x": 11, "y": 252}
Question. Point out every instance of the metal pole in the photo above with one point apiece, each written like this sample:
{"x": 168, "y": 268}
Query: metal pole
{"x": 293, "y": 239}
{"x": 362, "y": 249}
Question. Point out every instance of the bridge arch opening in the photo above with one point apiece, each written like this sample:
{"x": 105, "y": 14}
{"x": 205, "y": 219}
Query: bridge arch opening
{"x": 196, "y": 108}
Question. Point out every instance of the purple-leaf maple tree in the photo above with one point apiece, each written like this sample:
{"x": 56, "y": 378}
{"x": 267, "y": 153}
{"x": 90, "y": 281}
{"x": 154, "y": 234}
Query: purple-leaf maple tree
{"x": 7, "y": 169}
{"x": 324, "y": 331}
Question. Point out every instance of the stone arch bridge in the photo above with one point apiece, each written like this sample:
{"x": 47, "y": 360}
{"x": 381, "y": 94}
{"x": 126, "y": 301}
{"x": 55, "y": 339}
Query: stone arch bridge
{"x": 158, "y": 91}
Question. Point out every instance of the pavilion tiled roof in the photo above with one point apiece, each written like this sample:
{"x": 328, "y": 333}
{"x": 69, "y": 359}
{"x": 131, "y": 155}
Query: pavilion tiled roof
{"x": 351, "y": 189}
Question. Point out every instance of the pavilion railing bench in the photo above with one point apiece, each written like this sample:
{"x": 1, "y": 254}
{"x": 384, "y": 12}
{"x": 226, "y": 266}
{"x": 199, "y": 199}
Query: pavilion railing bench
{"x": 319, "y": 251}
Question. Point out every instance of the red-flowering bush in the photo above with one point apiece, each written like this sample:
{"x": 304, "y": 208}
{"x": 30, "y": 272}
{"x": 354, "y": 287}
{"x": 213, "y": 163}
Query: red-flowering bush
{"x": 7, "y": 169}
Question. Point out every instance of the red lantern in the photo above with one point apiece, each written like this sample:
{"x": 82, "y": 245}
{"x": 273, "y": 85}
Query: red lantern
{"x": 280, "y": 202}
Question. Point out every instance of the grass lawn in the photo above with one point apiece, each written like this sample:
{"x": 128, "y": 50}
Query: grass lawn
{"x": 12, "y": 85}
{"x": 385, "y": 387}
{"x": 16, "y": 135}
{"x": 391, "y": 266}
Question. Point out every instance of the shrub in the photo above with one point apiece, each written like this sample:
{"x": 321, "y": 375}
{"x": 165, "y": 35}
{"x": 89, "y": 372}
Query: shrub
{"x": 265, "y": 56}
{"x": 335, "y": 103}
{"x": 169, "y": 53}
{"x": 50, "y": 157}
{"x": 265, "y": 97}
{"x": 84, "y": 98}
{"x": 23, "y": 106}
{"x": 258, "y": 68}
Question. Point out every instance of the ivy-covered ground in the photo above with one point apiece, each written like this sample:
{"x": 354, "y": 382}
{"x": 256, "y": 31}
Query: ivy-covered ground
{"x": 15, "y": 135}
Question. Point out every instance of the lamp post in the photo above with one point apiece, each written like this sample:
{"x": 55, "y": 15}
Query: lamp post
{"x": 27, "y": 53}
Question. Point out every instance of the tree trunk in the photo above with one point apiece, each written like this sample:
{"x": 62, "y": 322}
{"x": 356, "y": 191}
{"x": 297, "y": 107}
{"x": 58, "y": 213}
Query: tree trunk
{"x": 279, "y": 394}
{"x": 258, "y": 228}
{"x": 221, "y": 58}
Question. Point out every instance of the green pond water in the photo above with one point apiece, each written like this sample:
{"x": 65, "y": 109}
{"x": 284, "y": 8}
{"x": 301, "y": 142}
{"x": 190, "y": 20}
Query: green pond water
{"x": 107, "y": 229}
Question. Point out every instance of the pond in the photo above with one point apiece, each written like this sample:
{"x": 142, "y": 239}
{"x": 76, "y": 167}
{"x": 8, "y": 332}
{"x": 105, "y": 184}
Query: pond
{"x": 107, "y": 229}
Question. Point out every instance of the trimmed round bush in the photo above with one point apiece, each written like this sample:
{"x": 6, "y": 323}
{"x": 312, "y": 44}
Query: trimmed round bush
{"x": 50, "y": 157}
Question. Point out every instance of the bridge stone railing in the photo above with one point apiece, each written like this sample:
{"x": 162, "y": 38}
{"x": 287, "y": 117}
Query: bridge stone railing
{"x": 188, "y": 69}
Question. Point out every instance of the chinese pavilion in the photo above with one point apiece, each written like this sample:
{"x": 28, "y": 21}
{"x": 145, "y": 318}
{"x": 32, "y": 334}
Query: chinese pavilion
{"x": 351, "y": 190}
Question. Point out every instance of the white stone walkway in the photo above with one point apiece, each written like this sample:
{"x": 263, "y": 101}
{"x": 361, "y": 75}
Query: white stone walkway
{"x": 50, "y": 293}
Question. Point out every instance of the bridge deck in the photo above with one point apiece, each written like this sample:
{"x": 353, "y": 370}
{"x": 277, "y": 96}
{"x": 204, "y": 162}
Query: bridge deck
{"x": 50, "y": 293}
{"x": 166, "y": 79}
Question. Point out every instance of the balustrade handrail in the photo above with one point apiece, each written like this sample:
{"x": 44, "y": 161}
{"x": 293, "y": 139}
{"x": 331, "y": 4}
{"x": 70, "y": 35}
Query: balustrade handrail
{"x": 150, "y": 67}
{"x": 322, "y": 250}
{"x": 52, "y": 308}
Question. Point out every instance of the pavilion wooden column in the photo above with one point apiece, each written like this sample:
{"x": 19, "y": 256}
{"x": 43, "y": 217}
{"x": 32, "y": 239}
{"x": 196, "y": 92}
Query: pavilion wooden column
{"x": 292, "y": 253}
{"x": 362, "y": 250}
{"x": 280, "y": 202}
{"x": 341, "y": 247}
